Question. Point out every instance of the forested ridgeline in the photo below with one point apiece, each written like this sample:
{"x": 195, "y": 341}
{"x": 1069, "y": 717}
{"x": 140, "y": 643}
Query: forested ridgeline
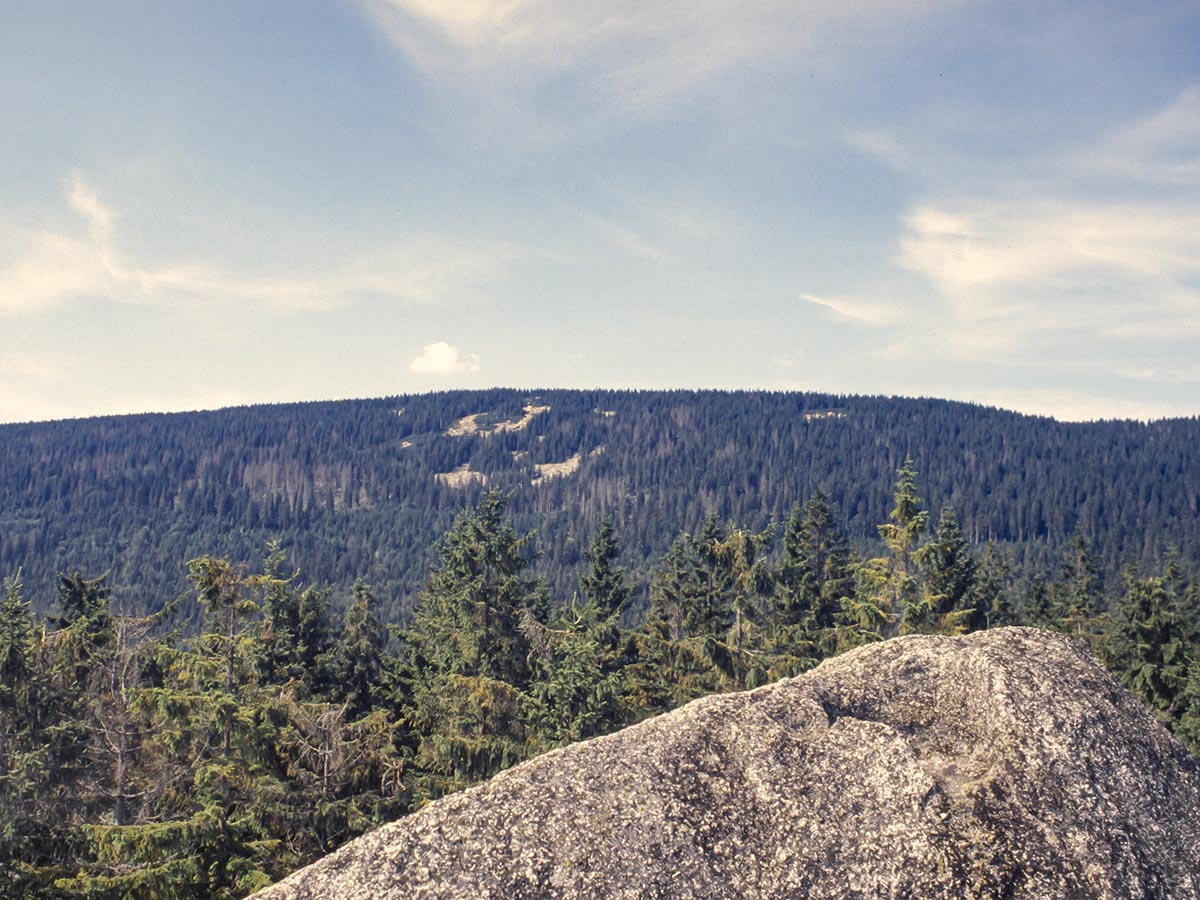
{"x": 361, "y": 489}
{"x": 142, "y": 762}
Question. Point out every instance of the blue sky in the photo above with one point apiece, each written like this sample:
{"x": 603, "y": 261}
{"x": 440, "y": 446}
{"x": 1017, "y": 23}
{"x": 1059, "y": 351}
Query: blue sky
{"x": 233, "y": 202}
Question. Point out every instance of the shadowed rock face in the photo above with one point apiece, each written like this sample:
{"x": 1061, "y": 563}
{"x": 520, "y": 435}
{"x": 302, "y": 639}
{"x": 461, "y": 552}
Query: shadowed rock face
{"x": 1002, "y": 764}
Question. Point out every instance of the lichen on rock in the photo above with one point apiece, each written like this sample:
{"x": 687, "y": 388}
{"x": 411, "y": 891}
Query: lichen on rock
{"x": 1004, "y": 763}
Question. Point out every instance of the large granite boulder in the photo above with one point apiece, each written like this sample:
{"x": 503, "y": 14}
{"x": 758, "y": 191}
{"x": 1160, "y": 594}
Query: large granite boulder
{"x": 1002, "y": 764}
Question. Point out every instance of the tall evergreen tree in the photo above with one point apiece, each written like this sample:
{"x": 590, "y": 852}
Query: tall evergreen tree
{"x": 578, "y": 687}
{"x": 702, "y": 630}
{"x": 220, "y": 795}
{"x": 469, "y": 648}
{"x": 994, "y": 600}
{"x": 17, "y": 658}
{"x": 1077, "y": 599}
{"x": 358, "y": 653}
{"x": 741, "y": 554}
{"x": 344, "y": 774}
{"x": 1187, "y": 728}
{"x": 80, "y": 598}
{"x": 294, "y": 633}
{"x": 343, "y": 754}
{"x": 681, "y": 652}
{"x": 889, "y": 595}
{"x": 578, "y": 690}
{"x": 29, "y": 842}
{"x": 605, "y": 583}
{"x": 811, "y": 586}
{"x": 1147, "y": 645}
{"x": 950, "y": 579}
{"x": 44, "y": 743}
{"x": 116, "y": 718}
{"x": 1038, "y": 606}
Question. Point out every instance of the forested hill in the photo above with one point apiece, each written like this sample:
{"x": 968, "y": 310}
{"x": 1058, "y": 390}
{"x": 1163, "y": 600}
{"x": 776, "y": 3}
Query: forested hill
{"x": 363, "y": 489}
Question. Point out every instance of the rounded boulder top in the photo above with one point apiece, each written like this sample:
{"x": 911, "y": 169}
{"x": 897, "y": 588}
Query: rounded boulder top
{"x": 1004, "y": 763}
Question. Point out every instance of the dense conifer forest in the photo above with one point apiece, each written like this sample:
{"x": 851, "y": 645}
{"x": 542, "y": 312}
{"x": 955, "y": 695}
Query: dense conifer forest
{"x": 362, "y": 489}
{"x": 138, "y": 761}
{"x": 626, "y": 554}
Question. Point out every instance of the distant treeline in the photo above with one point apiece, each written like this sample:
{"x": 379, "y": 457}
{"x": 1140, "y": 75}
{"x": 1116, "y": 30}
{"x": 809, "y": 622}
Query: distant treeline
{"x": 362, "y": 489}
{"x": 141, "y": 761}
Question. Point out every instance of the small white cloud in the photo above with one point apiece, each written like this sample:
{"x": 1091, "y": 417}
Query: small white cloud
{"x": 440, "y": 358}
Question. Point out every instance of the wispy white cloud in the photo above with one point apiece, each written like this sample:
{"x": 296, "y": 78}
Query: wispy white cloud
{"x": 885, "y": 146}
{"x": 426, "y": 268}
{"x": 1068, "y": 288}
{"x": 441, "y": 358}
{"x": 620, "y": 235}
{"x": 84, "y": 201}
{"x": 1162, "y": 147}
{"x": 1034, "y": 251}
{"x": 1071, "y": 257}
{"x": 652, "y": 225}
{"x": 46, "y": 268}
{"x": 643, "y": 53}
{"x": 869, "y": 310}
{"x": 1034, "y": 257}
{"x": 1177, "y": 320}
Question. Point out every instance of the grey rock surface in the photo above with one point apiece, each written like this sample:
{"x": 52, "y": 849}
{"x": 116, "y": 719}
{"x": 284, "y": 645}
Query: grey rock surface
{"x": 1002, "y": 764}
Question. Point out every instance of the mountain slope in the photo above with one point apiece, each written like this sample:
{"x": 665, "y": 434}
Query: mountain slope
{"x": 1002, "y": 764}
{"x": 364, "y": 488}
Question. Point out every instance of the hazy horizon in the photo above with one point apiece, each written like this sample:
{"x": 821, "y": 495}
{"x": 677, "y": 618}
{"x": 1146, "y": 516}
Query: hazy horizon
{"x": 534, "y": 393}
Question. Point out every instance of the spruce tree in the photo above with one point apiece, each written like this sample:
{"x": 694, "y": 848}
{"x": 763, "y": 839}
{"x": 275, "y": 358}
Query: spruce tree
{"x": 578, "y": 690}
{"x": 1187, "y": 727}
{"x": 344, "y": 774}
{"x": 950, "y": 579}
{"x": 217, "y": 822}
{"x": 116, "y": 717}
{"x": 294, "y": 633}
{"x": 1077, "y": 599}
{"x": 358, "y": 653}
{"x": 1038, "y": 606}
{"x": 1147, "y": 646}
{"x": 741, "y": 554}
{"x": 578, "y": 685}
{"x": 604, "y": 584}
{"x": 80, "y": 598}
{"x": 76, "y": 655}
{"x": 342, "y": 752}
{"x": 28, "y": 842}
{"x": 681, "y": 653}
{"x": 811, "y": 586}
{"x": 469, "y": 649}
{"x": 994, "y": 601}
{"x": 889, "y": 597}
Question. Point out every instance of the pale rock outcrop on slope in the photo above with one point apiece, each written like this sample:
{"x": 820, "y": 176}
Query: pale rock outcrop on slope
{"x": 1002, "y": 764}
